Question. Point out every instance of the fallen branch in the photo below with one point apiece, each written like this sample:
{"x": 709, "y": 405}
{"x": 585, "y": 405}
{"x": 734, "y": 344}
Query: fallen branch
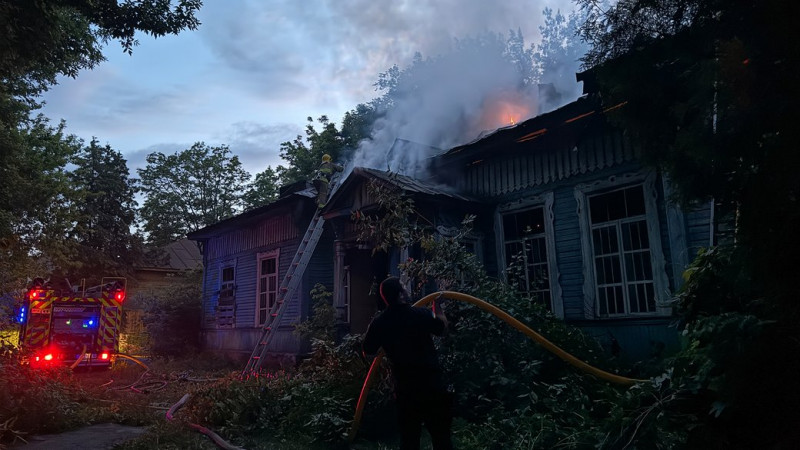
{"x": 221, "y": 443}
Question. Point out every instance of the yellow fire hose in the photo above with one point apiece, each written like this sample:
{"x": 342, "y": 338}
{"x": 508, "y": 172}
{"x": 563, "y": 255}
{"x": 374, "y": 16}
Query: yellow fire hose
{"x": 541, "y": 340}
{"x": 80, "y": 358}
{"x": 131, "y": 358}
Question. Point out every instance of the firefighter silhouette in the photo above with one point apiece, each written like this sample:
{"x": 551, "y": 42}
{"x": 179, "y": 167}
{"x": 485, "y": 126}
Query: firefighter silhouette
{"x": 323, "y": 178}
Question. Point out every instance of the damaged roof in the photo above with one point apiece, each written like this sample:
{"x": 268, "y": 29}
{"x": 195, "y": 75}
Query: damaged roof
{"x": 404, "y": 182}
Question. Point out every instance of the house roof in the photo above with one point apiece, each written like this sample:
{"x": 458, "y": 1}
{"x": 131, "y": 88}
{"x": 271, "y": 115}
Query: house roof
{"x": 576, "y": 114}
{"x": 184, "y": 255}
{"x": 255, "y": 214}
{"x": 404, "y": 182}
{"x": 411, "y": 184}
{"x": 180, "y": 255}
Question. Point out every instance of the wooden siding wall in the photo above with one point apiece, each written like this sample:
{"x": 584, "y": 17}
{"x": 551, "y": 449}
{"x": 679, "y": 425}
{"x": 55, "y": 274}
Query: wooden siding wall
{"x": 521, "y": 171}
{"x": 269, "y": 232}
{"x": 512, "y": 176}
{"x": 699, "y": 223}
{"x": 240, "y": 248}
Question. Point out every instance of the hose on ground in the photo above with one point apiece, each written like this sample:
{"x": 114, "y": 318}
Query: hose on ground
{"x": 80, "y": 358}
{"x": 539, "y": 339}
{"x": 134, "y": 359}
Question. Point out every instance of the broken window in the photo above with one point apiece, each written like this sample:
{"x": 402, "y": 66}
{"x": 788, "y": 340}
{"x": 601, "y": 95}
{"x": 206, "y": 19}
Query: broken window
{"x": 525, "y": 243}
{"x": 226, "y": 303}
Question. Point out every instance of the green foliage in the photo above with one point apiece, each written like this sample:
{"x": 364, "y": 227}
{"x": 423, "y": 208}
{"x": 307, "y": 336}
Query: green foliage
{"x": 37, "y": 201}
{"x": 262, "y": 190}
{"x": 311, "y": 407}
{"x": 172, "y": 318}
{"x": 38, "y": 400}
{"x": 724, "y": 86}
{"x": 48, "y": 38}
{"x": 41, "y": 41}
{"x": 304, "y": 155}
{"x": 510, "y": 392}
{"x": 105, "y": 212}
{"x": 722, "y": 78}
{"x": 395, "y": 225}
{"x": 188, "y": 190}
{"x": 735, "y": 370}
{"x": 321, "y": 325}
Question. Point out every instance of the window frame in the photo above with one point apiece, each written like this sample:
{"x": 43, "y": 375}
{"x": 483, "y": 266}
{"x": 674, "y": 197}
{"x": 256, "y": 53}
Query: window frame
{"x": 346, "y": 293}
{"x": 544, "y": 201}
{"x": 223, "y": 267}
{"x": 583, "y": 192}
{"x": 260, "y": 257}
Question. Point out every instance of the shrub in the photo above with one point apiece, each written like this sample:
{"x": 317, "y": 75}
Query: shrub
{"x": 172, "y": 318}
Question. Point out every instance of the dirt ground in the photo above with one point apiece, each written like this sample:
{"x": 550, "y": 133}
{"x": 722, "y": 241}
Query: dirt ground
{"x": 94, "y": 437}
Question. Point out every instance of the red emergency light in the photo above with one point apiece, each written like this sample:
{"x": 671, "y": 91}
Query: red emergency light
{"x": 104, "y": 356}
{"x": 36, "y": 294}
{"x": 44, "y": 358}
{"x": 119, "y": 295}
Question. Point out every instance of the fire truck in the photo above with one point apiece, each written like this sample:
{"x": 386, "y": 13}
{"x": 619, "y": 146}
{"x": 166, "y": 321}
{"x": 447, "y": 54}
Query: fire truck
{"x": 77, "y": 327}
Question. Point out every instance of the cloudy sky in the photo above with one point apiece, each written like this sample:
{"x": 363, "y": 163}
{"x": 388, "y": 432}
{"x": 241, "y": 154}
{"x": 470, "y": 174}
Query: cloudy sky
{"x": 255, "y": 69}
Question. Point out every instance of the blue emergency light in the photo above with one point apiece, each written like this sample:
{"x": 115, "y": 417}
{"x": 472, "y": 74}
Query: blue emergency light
{"x": 22, "y": 315}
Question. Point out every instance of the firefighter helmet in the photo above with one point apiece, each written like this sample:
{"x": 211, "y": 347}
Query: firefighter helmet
{"x": 326, "y": 158}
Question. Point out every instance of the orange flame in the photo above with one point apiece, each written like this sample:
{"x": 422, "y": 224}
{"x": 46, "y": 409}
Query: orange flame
{"x": 505, "y": 110}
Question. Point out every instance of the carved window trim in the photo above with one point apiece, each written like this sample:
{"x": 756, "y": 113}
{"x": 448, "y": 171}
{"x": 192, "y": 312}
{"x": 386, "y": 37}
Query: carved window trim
{"x": 647, "y": 179}
{"x": 545, "y": 201}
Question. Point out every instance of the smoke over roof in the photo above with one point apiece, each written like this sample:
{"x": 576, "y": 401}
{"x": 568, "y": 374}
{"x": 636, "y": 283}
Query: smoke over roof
{"x": 453, "y": 99}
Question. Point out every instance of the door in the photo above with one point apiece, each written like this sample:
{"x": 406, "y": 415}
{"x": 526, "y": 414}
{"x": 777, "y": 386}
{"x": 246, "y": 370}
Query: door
{"x": 366, "y": 272}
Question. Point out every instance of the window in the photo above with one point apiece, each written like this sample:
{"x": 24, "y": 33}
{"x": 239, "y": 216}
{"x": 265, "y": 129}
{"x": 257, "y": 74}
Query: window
{"x": 525, "y": 244}
{"x": 226, "y": 284}
{"x": 267, "y": 286}
{"x": 624, "y": 266}
{"x": 346, "y": 295}
{"x": 621, "y": 248}
{"x": 226, "y": 301}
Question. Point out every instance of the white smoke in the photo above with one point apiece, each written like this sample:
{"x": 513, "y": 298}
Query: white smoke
{"x": 445, "y": 103}
{"x": 464, "y": 94}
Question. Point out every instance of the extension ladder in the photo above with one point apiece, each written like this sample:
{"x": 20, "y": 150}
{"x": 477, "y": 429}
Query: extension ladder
{"x": 288, "y": 287}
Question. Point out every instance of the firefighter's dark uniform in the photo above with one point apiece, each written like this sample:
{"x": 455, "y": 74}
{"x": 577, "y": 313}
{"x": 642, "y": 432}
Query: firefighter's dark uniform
{"x": 405, "y": 332}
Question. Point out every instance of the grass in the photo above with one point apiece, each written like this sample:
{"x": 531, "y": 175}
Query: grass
{"x": 128, "y": 394}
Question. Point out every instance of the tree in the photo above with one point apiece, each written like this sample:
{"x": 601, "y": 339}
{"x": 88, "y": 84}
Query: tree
{"x": 42, "y": 40}
{"x": 188, "y": 190}
{"x": 709, "y": 91}
{"x": 557, "y": 57}
{"x": 357, "y": 126}
{"x": 47, "y": 38}
{"x": 263, "y": 190}
{"x": 305, "y": 155}
{"x": 106, "y": 244}
{"x": 37, "y": 200}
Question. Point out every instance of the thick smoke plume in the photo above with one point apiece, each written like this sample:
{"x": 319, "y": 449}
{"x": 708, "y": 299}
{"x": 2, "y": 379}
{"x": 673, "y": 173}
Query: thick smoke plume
{"x": 439, "y": 103}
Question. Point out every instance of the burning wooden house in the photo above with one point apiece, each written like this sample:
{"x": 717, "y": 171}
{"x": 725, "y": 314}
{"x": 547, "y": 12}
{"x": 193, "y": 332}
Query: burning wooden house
{"x": 604, "y": 248}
